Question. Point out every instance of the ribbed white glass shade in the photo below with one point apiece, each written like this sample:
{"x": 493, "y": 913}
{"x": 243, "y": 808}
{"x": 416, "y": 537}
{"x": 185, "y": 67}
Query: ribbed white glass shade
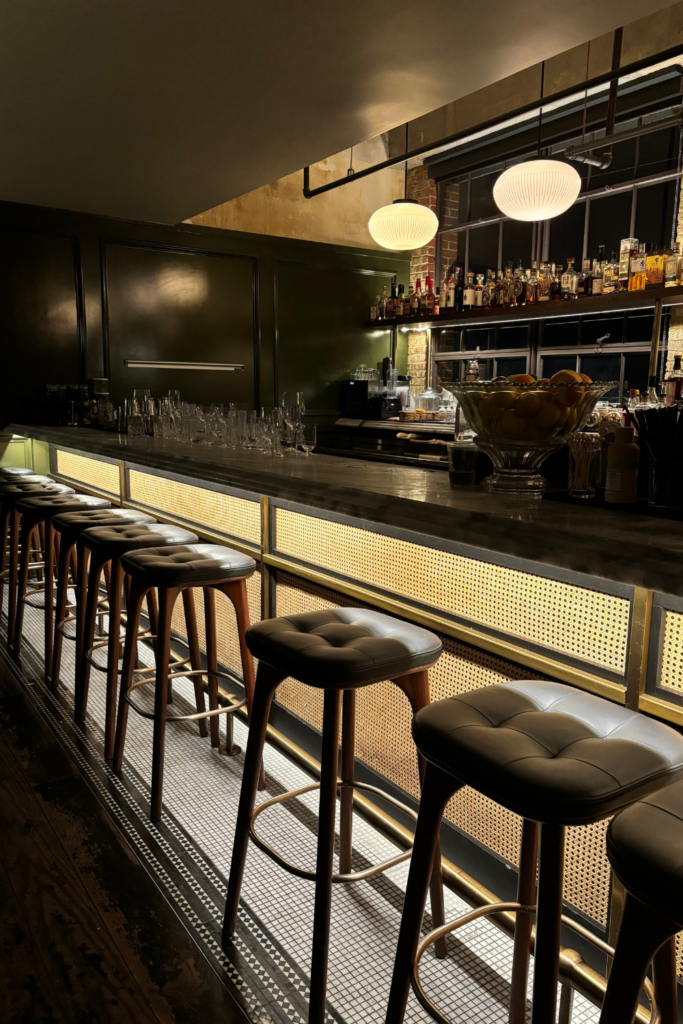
{"x": 536, "y": 190}
{"x": 403, "y": 225}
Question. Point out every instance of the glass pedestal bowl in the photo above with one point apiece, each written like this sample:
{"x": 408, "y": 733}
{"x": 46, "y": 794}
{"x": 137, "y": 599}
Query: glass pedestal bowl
{"x": 520, "y": 425}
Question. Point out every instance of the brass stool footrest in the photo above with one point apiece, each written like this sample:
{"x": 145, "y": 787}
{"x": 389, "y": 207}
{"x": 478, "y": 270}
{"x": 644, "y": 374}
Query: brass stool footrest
{"x": 142, "y": 635}
{"x": 184, "y": 674}
{"x": 355, "y": 876}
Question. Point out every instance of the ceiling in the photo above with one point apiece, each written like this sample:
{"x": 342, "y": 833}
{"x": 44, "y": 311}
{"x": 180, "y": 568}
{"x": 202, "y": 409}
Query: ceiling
{"x": 159, "y": 109}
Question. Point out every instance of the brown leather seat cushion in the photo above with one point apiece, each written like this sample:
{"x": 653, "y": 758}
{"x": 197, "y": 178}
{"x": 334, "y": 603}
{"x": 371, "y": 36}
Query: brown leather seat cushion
{"x": 194, "y": 565}
{"x": 72, "y": 524}
{"x": 645, "y": 848}
{"x": 12, "y": 491}
{"x": 114, "y": 541}
{"x": 42, "y": 507}
{"x": 548, "y": 751}
{"x": 15, "y": 472}
{"x": 342, "y": 647}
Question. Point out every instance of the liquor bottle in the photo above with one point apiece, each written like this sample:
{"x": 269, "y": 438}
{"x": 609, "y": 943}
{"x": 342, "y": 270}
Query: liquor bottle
{"x": 407, "y": 301}
{"x": 400, "y": 299}
{"x": 468, "y": 299}
{"x": 555, "y": 282}
{"x": 391, "y": 304}
{"x": 478, "y": 289}
{"x": 415, "y": 299}
{"x": 428, "y": 306}
{"x": 610, "y": 275}
{"x": 374, "y": 308}
{"x": 627, "y": 250}
{"x": 586, "y": 280}
{"x": 673, "y": 384}
{"x": 437, "y": 303}
{"x": 457, "y": 291}
{"x": 493, "y": 291}
{"x": 672, "y": 270}
{"x": 449, "y": 294}
{"x": 509, "y": 285}
{"x": 518, "y": 289}
{"x": 544, "y": 283}
{"x": 636, "y": 281}
{"x": 383, "y": 304}
{"x": 601, "y": 256}
{"x": 569, "y": 281}
{"x": 486, "y": 291}
{"x": 655, "y": 267}
{"x": 596, "y": 283}
{"x": 531, "y": 285}
{"x": 633, "y": 400}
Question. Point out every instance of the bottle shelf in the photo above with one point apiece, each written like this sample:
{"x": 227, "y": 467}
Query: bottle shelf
{"x": 616, "y": 303}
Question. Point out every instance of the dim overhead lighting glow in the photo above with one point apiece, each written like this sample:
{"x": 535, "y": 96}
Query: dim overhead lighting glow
{"x": 537, "y": 189}
{"x": 404, "y": 224}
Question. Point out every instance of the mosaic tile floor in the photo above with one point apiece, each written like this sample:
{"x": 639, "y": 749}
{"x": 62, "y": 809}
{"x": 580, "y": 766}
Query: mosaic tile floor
{"x": 188, "y": 857}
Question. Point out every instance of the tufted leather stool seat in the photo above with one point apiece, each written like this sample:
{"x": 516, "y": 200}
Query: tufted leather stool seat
{"x": 73, "y": 555}
{"x": 118, "y": 539}
{"x": 12, "y": 489}
{"x": 15, "y": 472}
{"x": 178, "y": 566}
{"x": 645, "y": 849}
{"x": 343, "y": 647}
{"x": 338, "y": 651}
{"x": 552, "y": 754}
{"x": 41, "y": 509}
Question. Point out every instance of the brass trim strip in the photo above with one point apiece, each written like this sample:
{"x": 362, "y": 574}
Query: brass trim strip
{"x": 538, "y": 662}
{"x": 661, "y": 708}
{"x": 638, "y": 646}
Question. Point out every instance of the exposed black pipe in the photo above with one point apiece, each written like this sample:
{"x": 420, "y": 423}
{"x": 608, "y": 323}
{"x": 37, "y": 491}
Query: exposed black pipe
{"x": 608, "y": 76}
{"x": 583, "y": 153}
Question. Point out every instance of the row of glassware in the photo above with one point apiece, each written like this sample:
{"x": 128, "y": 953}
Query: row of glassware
{"x": 278, "y": 430}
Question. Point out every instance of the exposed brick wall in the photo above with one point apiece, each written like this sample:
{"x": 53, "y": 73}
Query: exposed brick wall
{"x": 448, "y": 218}
{"x": 417, "y": 359}
{"x": 423, "y": 189}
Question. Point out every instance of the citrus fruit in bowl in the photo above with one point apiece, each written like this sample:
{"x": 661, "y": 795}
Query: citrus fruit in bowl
{"x": 519, "y": 421}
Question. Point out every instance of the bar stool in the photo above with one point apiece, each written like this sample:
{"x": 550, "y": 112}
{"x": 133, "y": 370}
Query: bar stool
{"x": 11, "y": 492}
{"x": 74, "y": 555}
{"x": 644, "y": 844}
{"x": 337, "y": 651}
{"x": 10, "y": 473}
{"x": 36, "y": 510}
{"x": 554, "y": 755}
{"x": 174, "y": 570}
{"x": 107, "y": 545}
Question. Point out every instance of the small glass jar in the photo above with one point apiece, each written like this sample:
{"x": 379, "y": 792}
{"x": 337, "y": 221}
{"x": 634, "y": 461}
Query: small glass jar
{"x": 584, "y": 464}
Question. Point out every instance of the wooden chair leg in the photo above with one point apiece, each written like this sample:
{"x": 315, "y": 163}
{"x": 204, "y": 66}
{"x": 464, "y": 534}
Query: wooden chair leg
{"x": 267, "y": 682}
{"x": 195, "y": 655}
{"x": 26, "y": 533}
{"x": 212, "y": 667}
{"x": 167, "y": 599}
{"x": 348, "y": 749}
{"x": 49, "y": 591}
{"x": 526, "y": 893}
{"x": 437, "y": 789}
{"x": 134, "y": 610}
{"x": 13, "y": 575}
{"x": 113, "y": 648}
{"x": 416, "y": 688}
{"x": 641, "y": 934}
{"x": 548, "y": 924}
{"x": 236, "y": 590}
{"x": 90, "y": 621}
{"x": 65, "y": 552}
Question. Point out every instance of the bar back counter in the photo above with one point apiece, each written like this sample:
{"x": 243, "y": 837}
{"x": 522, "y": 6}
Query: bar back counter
{"x": 516, "y": 589}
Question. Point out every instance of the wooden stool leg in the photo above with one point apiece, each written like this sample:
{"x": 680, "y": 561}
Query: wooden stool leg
{"x": 437, "y": 789}
{"x": 167, "y": 599}
{"x": 26, "y": 534}
{"x": 195, "y": 655}
{"x": 236, "y": 590}
{"x": 13, "y": 575}
{"x": 82, "y": 557}
{"x": 113, "y": 648}
{"x": 641, "y": 934}
{"x": 65, "y": 552}
{"x": 526, "y": 893}
{"x": 40, "y": 544}
{"x": 49, "y": 591}
{"x": 324, "y": 861}
{"x": 267, "y": 682}
{"x": 90, "y": 619}
{"x": 4, "y": 539}
{"x": 212, "y": 666}
{"x": 416, "y": 688}
{"x": 348, "y": 748}
{"x": 134, "y": 610}
{"x": 548, "y": 924}
{"x": 664, "y": 970}
{"x": 153, "y": 615}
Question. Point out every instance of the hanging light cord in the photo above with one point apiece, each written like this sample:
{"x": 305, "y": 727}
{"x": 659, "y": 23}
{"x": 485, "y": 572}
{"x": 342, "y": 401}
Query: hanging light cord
{"x": 540, "y": 109}
{"x": 405, "y": 180}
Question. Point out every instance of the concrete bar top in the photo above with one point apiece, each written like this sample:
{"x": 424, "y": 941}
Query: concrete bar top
{"x": 620, "y": 546}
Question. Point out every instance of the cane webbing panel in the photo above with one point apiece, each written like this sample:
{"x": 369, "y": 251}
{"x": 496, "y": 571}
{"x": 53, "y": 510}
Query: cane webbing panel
{"x": 104, "y": 476}
{"x": 671, "y": 672}
{"x": 579, "y": 622}
{"x": 224, "y": 513}
{"x": 226, "y": 625}
{"x": 384, "y": 742}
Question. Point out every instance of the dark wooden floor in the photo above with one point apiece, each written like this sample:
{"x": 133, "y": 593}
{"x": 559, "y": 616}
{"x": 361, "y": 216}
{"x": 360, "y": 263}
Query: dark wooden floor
{"x": 85, "y": 936}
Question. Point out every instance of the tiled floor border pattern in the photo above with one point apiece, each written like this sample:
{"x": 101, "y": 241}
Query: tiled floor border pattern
{"x": 267, "y": 969}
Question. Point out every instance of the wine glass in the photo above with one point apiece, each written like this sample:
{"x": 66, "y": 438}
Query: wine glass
{"x": 308, "y": 437}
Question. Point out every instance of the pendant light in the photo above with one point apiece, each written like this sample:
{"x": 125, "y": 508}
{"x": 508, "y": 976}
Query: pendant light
{"x": 537, "y": 189}
{"x": 404, "y": 224}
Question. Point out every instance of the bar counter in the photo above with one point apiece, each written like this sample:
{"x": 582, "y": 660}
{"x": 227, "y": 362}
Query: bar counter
{"x": 516, "y": 588}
